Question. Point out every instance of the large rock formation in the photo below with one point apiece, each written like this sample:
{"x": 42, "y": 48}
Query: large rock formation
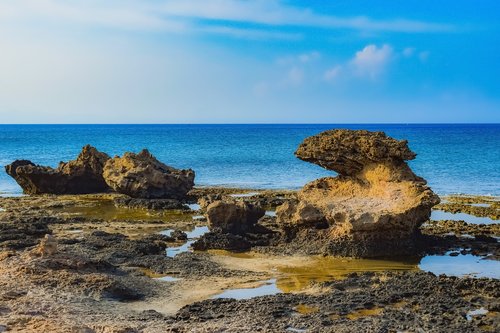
{"x": 83, "y": 175}
{"x": 143, "y": 176}
{"x": 376, "y": 204}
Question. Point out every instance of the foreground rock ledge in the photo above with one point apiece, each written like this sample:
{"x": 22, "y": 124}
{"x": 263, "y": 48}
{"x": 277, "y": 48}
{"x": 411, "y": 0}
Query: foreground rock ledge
{"x": 376, "y": 204}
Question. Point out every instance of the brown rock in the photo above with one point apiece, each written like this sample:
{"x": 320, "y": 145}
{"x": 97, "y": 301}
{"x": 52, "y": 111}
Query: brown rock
{"x": 233, "y": 217}
{"x": 376, "y": 199}
{"x": 348, "y": 152}
{"x": 143, "y": 176}
{"x": 83, "y": 175}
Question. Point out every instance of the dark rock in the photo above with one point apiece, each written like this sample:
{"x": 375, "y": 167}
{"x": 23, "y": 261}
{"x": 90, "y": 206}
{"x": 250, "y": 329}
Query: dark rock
{"x": 152, "y": 204}
{"x": 221, "y": 241}
{"x": 233, "y": 217}
{"x": 83, "y": 175}
{"x": 179, "y": 235}
{"x": 22, "y": 233}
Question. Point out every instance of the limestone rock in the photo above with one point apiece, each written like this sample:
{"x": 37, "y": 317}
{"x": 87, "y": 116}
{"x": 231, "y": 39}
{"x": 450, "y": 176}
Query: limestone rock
{"x": 143, "y": 176}
{"x": 376, "y": 199}
{"x": 348, "y": 152}
{"x": 233, "y": 217}
{"x": 83, "y": 175}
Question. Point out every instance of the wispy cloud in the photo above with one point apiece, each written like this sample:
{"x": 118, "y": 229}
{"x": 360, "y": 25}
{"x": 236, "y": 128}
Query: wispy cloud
{"x": 332, "y": 73}
{"x": 203, "y": 16}
{"x": 295, "y": 76}
{"x": 275, "y": 12}
{"x": 408, "y": 52}
{"x": 251, "y": 34}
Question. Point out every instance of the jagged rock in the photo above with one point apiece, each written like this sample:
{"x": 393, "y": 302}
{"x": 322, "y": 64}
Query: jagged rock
{"x": 83, "y": 175}
{"x": 143, "y": 176}
{"x": 375, "y": 201}
{"x": 233, "y": 217}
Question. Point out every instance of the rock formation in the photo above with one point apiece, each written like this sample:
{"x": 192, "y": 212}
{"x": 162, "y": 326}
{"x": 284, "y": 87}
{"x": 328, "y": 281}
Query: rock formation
{"x": 233, "y": 217}
{"x": 143, "y": 176}
{"x": 83, "y": 175}
{"x": 376, "y": 204}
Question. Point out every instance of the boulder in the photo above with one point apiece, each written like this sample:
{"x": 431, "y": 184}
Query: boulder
{"x": 143, "y": 176}
{"x": 233, "y": 217}
{"x": 373, "y": 207}
{"x": 81, "y": 176}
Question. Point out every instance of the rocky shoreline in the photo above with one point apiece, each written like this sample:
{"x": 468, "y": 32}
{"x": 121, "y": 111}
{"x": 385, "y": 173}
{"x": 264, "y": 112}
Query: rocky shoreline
{"x": 105, "y": 274}
{"x": 362, "y": 250}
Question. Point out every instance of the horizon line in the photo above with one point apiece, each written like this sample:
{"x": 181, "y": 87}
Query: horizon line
{"x": 270, "y": 123}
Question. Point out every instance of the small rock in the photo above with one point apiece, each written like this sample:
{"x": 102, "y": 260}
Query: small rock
{"x": 47, "y": 246}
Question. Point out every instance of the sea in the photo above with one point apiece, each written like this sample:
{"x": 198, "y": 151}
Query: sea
{"x": 453, "y": 158}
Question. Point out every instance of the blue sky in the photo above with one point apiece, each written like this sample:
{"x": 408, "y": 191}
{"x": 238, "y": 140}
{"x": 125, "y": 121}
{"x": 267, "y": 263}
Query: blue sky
{"x": 235, "y": 61}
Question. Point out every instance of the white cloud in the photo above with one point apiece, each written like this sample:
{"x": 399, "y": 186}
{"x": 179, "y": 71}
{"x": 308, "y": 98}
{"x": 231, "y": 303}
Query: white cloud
{"x": 371, "y": 61}
{"x": 333, "y": 73}
{"x": 309, "y": 57}
{"x": 302, "y": 58}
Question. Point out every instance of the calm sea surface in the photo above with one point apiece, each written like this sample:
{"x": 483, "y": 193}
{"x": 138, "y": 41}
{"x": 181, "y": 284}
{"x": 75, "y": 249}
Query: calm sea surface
{"x": 453, "y": 158}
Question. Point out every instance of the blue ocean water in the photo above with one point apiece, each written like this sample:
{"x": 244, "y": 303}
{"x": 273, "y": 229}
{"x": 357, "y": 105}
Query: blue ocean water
{"x": 453, "y": 158}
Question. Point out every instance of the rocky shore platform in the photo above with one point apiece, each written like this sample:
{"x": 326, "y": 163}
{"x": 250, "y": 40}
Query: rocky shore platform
{"x": 112, "y": 263}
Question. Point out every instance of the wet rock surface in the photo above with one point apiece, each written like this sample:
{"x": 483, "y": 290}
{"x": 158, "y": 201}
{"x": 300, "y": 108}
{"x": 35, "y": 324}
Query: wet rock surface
{"x": 376, "y": 204}
{"x": 143, "y": 176}
{"x": 83, "y": 175}
{"x": 23, "y": 232}
{"x": 153, "y": 204}
{"x": 361, "y": 303}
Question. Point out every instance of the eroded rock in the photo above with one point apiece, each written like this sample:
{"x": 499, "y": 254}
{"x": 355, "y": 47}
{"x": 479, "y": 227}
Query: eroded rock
{"x": 143, "y": 176}
{"x": 233, "y": 217}
{"x": 80, "y": 176}
{"x": 376, "y": 204}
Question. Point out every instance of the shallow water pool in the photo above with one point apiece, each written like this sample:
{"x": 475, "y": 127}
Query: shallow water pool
{"x": 106, "y": 210}
{"x": 461, "y": 265}
{"x": 268, "y": 287}
{"x": 295, "y": 274}
{"x": 437, "y": 215}
{"x": 192, "y": 236}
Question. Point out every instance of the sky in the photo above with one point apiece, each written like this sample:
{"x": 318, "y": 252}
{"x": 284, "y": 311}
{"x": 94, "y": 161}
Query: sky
{"x": 262, "y": 61}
